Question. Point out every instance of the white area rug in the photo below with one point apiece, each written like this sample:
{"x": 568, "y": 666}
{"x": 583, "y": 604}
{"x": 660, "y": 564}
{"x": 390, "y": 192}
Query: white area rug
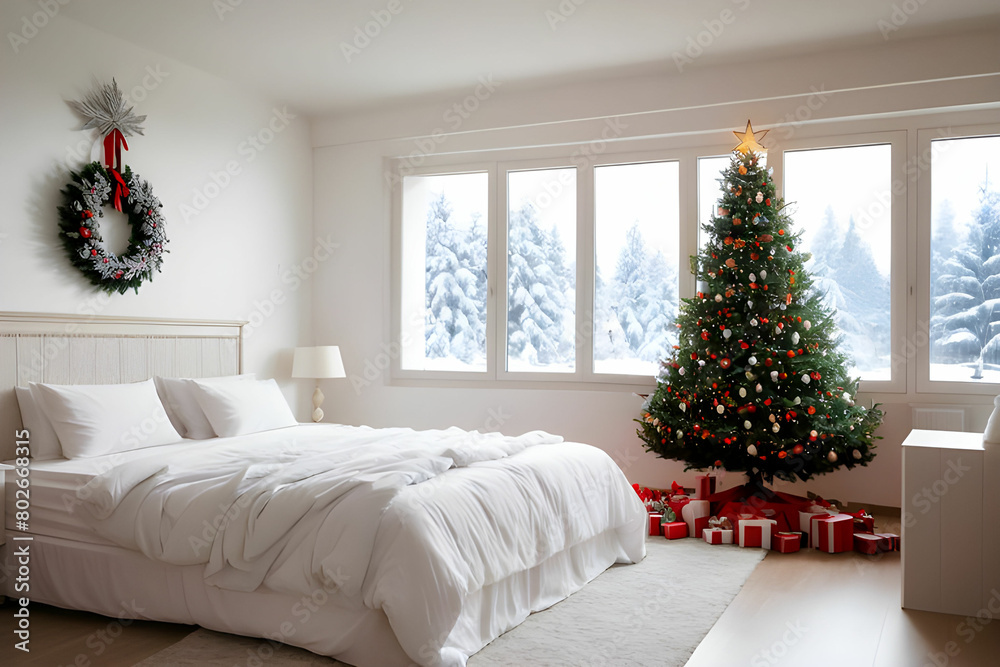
{"x": 653, "y": 613}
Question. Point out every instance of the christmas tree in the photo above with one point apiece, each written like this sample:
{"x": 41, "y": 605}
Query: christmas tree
{"x": 756, "y": 383}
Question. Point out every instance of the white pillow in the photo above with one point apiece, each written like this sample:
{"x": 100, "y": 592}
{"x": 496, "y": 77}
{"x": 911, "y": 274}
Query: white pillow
{"x": 182, "y": 407}
{"x": 237, "y": 408}
{"x": 42, "y": 439}
{"x": 98, "y": 419}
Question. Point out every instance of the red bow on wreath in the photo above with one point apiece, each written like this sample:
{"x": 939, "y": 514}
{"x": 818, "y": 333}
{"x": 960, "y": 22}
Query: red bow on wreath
{"x": 113, "y": 144}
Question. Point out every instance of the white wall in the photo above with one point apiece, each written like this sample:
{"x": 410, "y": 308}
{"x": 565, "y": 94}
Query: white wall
{"x": 697, "y": 107}
{"x": 225, "y": 261}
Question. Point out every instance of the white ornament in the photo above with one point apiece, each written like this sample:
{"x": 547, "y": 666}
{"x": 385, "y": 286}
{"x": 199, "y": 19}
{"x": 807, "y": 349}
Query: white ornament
{"x": 759, "y": 388}
{"x": 797, "y": 400}
{"x": 782, "y": 306}
{"x": 701, "y": 362}
{"x": 795, "y": 338}
{"x": 775, "y": 428}
{"x": 751, "y": 449}
{"x": 683, "y": 407}
{"x": 753, "y": 278}
{"x": 763, "y": 274}
{"x": 807, "y": 324}
{"x": 813, "y": 434}
{"x": 760, "y": 197}
{"x": 805, "y": 378}
{"x": 832, "y": 456}
{"x": 680, "y": 371}
{"x": 743, "y": 392}
{"x": 747, "y": 425}
{"x": 720, "y": 409}
{"x": 847, "y": 396}
{"x": 856, "y": 454}
{"x": 774, "y": 376}
{"x": 753, "y": 322}
{"x": 718, "y": 298}
{"x": 752, "y": 360}
{"x": 680, "y": 434}
{"x": 726, "y": 333}
{"x": 750, "y": 305}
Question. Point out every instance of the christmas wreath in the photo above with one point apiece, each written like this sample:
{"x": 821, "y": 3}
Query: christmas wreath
{"x": 84, "y": 199}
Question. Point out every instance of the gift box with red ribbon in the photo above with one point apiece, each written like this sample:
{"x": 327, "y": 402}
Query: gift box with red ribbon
{"x": 787, "y": 543}
{"x": 674, "y": 530}
{"x": 893, "y": 540}
{"x": 655, "y": 520}
{"x": 704, "y": 486}
{"x": 871, "y": 544}
{"x": 863, "y": 522}
{"x": 806, "y": 517}
{"x": 833, "y": 534}
{"x": 717, "y": 535}
{"x": 696, "y": 514}
{"x": 756, "y": 532}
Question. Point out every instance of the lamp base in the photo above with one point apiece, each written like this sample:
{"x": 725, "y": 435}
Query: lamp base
{"x": 318, "y": 397}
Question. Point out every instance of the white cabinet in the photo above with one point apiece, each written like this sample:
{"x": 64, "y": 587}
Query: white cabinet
{"x": 950, "y": 537}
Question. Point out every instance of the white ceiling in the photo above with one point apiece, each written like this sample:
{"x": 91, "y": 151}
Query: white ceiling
{"x": 292, "y": 51}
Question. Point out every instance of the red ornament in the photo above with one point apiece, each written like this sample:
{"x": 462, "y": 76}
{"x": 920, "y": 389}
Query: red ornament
{"x": 93, "y": 252}
{"x": 87, "y": 214}
{"x": 791, "y": 353}
{"x": 782, "y": 454}
{"x": 768, "y": 201}
{"x": 704, "y": 335}
{"x": 744, "y": 345}
{"x": 105, "y": 260}
{"x": 725, "y": 362}
{"x": 718, "y": 464}
{"x": 85, "y": 232}
{"x": 768, "y": 362}
{"x": 798, "y": 449}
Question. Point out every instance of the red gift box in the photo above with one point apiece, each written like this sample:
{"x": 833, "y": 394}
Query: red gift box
{"x": 717, "y": 535}
{"x": 696, "y": 514}
{"x": 654, "y": 523}
{"x": 834, "y": 534}
{"x": 871, "y": 544}
{"x": 863, "y": 522}
{"x": 674, "y": 530}
{"x": 704, "y": 486}
{"x": 756, "y": 532}
{"x": 893, "y": 540}
{"x": 786, "y": 543}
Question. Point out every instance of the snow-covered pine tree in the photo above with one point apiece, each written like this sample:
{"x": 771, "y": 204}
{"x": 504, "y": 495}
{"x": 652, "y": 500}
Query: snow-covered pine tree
{"x": 540, "y": 294}
{"x": 455, "y": 324}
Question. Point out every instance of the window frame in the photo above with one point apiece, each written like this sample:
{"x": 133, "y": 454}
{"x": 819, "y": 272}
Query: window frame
{"x": 922, "y": 168}
{"x": 897, "y": 140}
{"x": 399, "y": 334}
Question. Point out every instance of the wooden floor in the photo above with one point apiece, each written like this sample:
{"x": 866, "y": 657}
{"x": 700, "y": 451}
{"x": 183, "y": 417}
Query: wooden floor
{"x": 808, "y": 608}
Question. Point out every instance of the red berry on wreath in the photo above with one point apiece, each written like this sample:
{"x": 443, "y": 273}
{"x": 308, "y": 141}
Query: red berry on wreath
{"x": 87, "y": 214}
{"x": 85, "y": 233}
{"x": 93, "y": 252}
{"x": 118, "y": 275}
{"x": 105, "y": 260}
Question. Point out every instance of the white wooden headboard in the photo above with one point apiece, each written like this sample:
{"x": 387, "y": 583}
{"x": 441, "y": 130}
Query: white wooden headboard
{"x": 85, "y": 349}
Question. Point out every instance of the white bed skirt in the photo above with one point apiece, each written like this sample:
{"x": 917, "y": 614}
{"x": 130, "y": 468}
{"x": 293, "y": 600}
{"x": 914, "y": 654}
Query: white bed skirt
{"x": 120, "y": 583}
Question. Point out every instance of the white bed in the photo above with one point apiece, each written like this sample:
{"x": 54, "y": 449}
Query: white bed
{"x": 443, "y": 542}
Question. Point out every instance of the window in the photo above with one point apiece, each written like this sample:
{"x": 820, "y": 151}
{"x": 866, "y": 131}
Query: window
{"x": 636, "y": 219}
{"x": 541, "y": 270}
{"x": 443, "y": 292}
{"x": 841, "y": 201}
{"x": 964, "y": 330}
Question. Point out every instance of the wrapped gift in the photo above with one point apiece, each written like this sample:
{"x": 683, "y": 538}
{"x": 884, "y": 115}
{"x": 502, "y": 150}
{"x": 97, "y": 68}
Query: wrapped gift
{"x": 863, "y": 522}
{"x": 654, "y": 523}
{"x": 787, "y": 543}
{"x": 833, "y": 534}
{"x": 674, "y": 530}
{"x": 704, "y": 486}
{"x": 696, "y": 514}
{"x": 805, "y": 521}
{"x": 717, "y": 535}
{"x": 677, "y": 503}
{"x": 893, "y": 540}
{"x": 756, "y": 532}
{"x": 865, "y": 543}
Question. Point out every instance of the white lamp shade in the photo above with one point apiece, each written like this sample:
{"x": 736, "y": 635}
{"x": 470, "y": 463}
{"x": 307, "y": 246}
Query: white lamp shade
{"x": 318, "y": 362}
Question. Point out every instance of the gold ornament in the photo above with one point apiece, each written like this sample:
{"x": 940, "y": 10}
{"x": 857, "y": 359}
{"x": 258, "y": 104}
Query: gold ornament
{"x": 748, "y": 140}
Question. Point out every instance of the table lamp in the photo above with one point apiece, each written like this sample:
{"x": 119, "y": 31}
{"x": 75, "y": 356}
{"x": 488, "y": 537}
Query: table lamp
{"x": 319, "y": 363}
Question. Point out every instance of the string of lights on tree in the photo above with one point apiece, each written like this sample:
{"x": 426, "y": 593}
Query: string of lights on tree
{"x": 756, "y": 383}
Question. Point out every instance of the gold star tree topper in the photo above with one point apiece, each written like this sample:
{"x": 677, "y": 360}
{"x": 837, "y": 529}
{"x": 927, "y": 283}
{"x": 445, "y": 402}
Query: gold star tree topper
{"x": 748, "y": 140}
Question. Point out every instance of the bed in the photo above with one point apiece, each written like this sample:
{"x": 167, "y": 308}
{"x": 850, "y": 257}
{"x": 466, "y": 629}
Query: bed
{"x": 373, "y": 546}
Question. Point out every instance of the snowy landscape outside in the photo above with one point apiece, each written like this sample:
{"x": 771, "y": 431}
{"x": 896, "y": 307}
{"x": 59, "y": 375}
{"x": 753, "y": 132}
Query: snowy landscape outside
{"x": 964, "y": 329}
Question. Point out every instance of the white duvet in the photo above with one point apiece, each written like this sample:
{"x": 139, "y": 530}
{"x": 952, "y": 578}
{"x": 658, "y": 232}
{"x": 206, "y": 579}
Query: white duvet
{"x": 410, "y": 522}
